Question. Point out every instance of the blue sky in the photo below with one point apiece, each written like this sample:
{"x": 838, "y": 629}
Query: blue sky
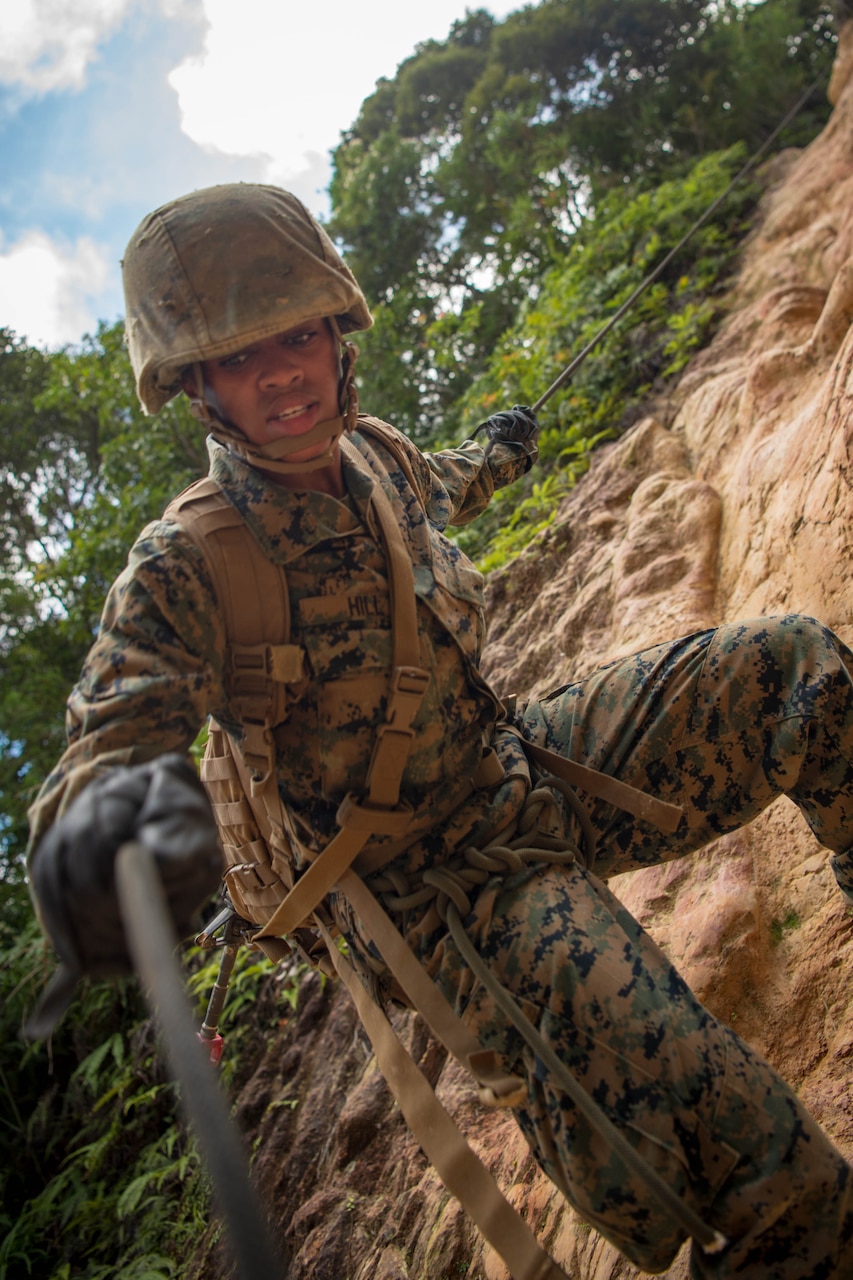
{"x": 108, "y": 108}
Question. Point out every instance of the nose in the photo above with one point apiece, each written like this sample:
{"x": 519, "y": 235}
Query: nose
{"x": 280, "y": 365}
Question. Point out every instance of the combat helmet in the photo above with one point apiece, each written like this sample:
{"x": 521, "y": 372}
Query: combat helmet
{"x": 219, "y": 269}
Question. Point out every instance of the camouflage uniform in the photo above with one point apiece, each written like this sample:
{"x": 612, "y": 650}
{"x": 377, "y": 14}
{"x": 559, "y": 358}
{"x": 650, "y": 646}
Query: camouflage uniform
{"x": 721, "y": 722}
{"x": 158, "y": 667}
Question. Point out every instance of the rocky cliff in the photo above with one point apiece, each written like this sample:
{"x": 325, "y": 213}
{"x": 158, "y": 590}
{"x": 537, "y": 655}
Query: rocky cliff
{"x": 732, "y": 498}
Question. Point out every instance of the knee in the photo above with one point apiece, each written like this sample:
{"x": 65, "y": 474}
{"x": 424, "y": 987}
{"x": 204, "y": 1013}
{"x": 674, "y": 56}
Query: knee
{"x": 806, "y": 634}
{"x": 808, "y": 655}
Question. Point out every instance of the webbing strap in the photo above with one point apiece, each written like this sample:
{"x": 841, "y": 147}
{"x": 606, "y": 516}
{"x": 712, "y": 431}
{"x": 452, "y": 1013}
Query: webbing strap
{"x": 401, "y": 579}
{"x": 216, "y": 768}
{"x": 497, "y": 1088}
{"x": 660, "y": 813}
{"x": 380, "y": 813}
{"x": 231, "y": 813}
{"x": 393, "y": 441}
{"x": 461, "y": 1171}
{"x": 312, "y": 887}
{"x": 408, "y": 679}
{"x": 255, "y": 602}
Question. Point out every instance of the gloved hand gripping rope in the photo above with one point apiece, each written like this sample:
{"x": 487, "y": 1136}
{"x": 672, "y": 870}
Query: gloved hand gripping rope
{"x": 517, "y": 425}
{"x": 133, "y": 853}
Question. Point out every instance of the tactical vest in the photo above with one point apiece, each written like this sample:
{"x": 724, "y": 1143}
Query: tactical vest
{"x": 262, "y": 847}
{"x": 261, "y": 842}
{"x": 259, "y": 839}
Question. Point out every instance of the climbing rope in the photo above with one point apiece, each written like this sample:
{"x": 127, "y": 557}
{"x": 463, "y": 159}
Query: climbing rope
{"x": 650, "y": 279}
{"x": 152, "y": 943}
{"x": 523, "y": 843}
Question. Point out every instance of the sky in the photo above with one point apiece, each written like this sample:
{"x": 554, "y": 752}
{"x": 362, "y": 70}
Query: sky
{"x": 110, "y": 108}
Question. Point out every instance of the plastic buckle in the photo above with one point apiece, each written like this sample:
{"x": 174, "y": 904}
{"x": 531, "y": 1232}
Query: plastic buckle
{"x": 410, "y": 680}
{"x": 251, "y": 659}
{"x": 408, "y": 686}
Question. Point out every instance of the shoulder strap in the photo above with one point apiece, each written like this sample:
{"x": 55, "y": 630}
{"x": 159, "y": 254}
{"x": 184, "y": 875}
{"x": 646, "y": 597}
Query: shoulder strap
{"x": 253, "y": 595}
{"x": 393, "y": 440}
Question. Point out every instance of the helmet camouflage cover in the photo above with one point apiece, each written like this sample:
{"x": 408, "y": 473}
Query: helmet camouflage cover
{"x": 217, "y": 270}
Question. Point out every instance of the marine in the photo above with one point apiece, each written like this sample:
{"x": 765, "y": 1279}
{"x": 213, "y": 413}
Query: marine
{"x": 373, "y": 737}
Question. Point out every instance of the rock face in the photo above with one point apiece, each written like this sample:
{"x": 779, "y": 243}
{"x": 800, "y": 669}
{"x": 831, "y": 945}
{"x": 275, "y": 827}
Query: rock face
{"x": 734, "y": 498}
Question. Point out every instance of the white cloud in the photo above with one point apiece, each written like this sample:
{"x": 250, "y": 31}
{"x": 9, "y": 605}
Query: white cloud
{"x": 49, "y": 292}
{"x": 281, "y": 81}
{"x": 48, "y": 44}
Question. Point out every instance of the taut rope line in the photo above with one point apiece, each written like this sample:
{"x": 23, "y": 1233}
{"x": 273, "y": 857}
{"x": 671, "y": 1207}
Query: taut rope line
{"x": 650, "y": 279}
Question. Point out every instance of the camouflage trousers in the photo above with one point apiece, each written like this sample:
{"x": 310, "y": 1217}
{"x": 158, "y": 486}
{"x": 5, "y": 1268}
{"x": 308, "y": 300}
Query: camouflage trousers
{"x": 720, "y": 722}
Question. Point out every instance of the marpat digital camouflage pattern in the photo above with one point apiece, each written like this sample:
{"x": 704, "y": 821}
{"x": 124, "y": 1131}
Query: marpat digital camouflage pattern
{"x": 721, "y": 722}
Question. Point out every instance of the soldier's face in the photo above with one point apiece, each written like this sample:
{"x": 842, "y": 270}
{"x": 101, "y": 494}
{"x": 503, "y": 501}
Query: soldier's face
{"x": 279, "y": 386}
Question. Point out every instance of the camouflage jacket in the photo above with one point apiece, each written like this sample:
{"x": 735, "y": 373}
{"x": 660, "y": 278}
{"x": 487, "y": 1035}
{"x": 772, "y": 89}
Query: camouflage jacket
{"x": 157, "y": 668}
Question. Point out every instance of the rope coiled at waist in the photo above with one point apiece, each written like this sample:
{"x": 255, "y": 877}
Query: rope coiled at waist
{"x": 528, "y": 842}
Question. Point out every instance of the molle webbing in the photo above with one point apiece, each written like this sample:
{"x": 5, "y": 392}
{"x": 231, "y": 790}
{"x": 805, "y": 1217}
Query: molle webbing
{"x": 660, "y": 813}
{"x": 258, "y": 854}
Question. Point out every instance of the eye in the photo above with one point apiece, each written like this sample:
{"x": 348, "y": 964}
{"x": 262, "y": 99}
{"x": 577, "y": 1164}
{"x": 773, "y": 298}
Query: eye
{"x": 301, "y": 338}
{"x": 235, "y": 361}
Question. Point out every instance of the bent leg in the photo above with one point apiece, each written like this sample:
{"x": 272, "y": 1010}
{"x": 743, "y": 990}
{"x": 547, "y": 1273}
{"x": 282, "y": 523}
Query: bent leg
{"x": 720, "y": 722}
{"x": 710, "y": 1115}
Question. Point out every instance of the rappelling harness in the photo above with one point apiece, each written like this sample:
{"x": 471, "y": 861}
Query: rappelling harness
{"x": 262, "y": 848}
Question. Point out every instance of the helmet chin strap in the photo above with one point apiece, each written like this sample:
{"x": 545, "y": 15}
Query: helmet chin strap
{"x": 273, "y": 457}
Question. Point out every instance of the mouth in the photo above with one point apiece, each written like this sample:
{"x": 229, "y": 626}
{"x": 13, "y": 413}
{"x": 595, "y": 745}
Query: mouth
{"x": 287, "y": 415}
{"x": 292, "y": 419}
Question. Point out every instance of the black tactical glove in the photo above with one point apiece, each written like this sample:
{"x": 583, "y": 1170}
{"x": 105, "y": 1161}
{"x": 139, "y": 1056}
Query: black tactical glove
{"x": 161, "y": 804}
{"x": 517, "y": 425}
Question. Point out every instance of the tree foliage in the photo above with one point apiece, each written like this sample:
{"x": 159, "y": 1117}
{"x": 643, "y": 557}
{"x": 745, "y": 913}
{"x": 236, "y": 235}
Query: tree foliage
{"x": 81, "y": 470}
{"x": 467, "y": 176}
{"x": 100, "y": 1175}
{"x": 609, "y": 260}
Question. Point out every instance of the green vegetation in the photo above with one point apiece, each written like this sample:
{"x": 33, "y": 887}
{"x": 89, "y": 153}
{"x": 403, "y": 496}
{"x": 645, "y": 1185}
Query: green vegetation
{"x": 81, "y": 470}
{"x": 607, "y": 261}
{"x": 780, "y": 928}
{"x": 466, "y": 178}
{"x": 499, "y": 198}
{"x": 106, "y": 1178}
